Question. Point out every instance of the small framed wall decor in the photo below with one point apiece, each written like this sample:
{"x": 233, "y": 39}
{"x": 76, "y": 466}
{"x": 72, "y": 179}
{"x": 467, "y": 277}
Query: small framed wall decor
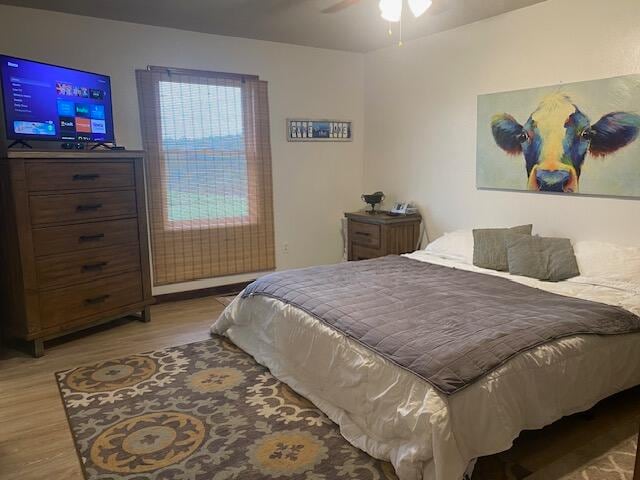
{"x": 301, "y": 130}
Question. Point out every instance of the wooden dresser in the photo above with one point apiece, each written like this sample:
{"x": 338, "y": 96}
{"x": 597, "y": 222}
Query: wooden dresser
{"x": 372, "y": 236}
{"x": 74, "y": 241}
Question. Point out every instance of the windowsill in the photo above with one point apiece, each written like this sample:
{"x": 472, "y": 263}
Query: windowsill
{"x": 206, "y": 283}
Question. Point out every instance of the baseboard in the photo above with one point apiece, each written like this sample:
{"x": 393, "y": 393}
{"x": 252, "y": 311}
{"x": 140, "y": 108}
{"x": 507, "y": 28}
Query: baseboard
{"x": 202, "y": 292}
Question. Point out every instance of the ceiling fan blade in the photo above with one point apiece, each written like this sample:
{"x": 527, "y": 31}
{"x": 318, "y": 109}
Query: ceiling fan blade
{"x": 340, "y": 6}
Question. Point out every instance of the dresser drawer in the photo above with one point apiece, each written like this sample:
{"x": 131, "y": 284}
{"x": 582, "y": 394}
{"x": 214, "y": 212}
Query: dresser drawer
{"x": 64, "y": 305}
{"x": 71, "y": 238}
{"x": 366, "y": 234}
{"x": 43, "y": 176}
{"x": 86, "y": 265}
{"x": 76, "y": 207}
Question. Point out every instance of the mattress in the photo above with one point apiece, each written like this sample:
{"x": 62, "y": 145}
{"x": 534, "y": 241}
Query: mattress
{"x": 394, "y": 415}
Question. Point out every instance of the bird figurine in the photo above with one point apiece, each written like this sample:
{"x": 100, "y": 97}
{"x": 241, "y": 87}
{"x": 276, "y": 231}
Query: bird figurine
{"x": 373, "y": 199}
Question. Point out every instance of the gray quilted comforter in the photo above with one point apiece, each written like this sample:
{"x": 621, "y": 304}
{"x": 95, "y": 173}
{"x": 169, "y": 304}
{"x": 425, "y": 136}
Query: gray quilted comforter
{"x": 449, "y": 327}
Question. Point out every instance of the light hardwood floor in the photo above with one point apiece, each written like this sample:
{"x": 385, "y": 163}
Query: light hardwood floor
{"x": 35, "y": 441}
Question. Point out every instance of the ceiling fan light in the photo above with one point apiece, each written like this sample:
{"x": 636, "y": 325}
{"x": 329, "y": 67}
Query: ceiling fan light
{"x": 391, "y": 10}
{"x": 418, "y": 7}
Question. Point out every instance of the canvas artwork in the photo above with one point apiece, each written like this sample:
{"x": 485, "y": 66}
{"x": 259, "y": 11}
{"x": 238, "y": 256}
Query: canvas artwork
{"x": 571, "y": 138}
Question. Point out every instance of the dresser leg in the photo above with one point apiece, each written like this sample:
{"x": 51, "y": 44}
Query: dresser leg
{"x": 37, "y": 347}
{"x": 146, "y": 314}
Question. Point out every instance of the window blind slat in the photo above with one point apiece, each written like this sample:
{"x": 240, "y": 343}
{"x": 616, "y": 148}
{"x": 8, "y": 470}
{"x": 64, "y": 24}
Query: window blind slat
{"x": 208, "y": 173}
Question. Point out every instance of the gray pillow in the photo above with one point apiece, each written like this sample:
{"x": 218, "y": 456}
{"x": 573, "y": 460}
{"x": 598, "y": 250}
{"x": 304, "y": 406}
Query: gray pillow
{"x": 549, "y": 259}
{"x": 489, "y": 247}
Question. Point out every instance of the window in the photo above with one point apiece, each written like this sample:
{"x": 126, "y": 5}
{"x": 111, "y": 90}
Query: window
{"x": 206, "y": 138}
{"x": 215, "y": 137}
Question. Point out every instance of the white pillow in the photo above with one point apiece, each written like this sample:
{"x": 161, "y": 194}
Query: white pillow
{"x": 608, "y": 261}
{"x": 456, "y": 245}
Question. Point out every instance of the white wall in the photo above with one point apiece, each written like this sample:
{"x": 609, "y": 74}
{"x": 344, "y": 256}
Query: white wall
{"x": 313, "y": 183}
{"x": 421, "y": 113}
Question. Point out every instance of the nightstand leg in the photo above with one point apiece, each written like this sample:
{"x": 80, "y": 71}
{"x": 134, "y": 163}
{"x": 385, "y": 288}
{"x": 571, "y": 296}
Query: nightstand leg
{"x": 146, "y": 314}
{"x": 37, "y": 347}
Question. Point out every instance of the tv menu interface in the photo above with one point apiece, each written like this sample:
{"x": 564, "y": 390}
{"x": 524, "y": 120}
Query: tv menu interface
{"x": 45, "y": 102}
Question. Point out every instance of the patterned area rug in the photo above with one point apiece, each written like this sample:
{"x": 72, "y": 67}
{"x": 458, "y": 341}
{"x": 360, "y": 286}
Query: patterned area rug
{"x": 208, "y": 411}
{"x": 202, "y": 411}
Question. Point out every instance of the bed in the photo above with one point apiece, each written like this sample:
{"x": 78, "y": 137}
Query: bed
{"x": 395, "y": 415}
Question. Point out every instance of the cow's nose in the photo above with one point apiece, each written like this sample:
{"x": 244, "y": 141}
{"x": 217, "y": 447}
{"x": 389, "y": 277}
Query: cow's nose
{"x": 552, "y": 180}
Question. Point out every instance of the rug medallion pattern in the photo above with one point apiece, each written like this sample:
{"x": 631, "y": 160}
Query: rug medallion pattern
{"x": 202, "y": 411}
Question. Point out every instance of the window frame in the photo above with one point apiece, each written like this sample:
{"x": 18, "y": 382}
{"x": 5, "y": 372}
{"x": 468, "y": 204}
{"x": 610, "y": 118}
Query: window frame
{"x": 206, "y": 248}
{"x": 177, "y": 225}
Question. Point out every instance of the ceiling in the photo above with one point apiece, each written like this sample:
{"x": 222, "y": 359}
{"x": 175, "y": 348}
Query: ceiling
{"x": 300, "y": 22}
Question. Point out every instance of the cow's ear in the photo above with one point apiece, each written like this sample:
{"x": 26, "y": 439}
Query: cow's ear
{"x": 506, "y": 131}
{"x": 613, "y": 131}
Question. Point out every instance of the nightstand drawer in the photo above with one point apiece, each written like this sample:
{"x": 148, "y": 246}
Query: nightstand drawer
{"x": 79, "y": 207}
{"x": 366, "y": 234}
{"x": 79, "y": 176}
{"x": 365, "y": 253}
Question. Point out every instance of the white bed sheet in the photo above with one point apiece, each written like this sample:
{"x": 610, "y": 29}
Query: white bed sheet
{"x": 393, "y": 415}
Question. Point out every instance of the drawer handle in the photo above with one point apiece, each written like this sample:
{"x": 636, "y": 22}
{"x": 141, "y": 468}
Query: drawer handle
{"x": 85, "y": 176}
{"x": 91, "y": 238}
{"x": 365, "y": 234}
{"x": 96, "y": 300}
{"x": 92, "y": 267}
{"x": 89, "y": 208}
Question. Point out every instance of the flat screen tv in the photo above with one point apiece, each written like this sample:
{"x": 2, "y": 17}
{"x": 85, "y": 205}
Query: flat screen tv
{"x": 48, "y": 102}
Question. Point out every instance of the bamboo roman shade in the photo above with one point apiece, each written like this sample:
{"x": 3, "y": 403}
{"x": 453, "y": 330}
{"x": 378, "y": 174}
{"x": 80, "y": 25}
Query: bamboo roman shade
{"x": 206, "y": 137}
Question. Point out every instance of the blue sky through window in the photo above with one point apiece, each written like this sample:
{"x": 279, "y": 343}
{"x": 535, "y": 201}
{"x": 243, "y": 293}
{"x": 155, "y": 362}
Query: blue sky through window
{"x": 194, "y": 111}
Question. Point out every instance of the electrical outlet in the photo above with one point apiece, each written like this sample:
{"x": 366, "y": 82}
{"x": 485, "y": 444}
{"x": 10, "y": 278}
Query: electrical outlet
{"x": 285, "y": 248}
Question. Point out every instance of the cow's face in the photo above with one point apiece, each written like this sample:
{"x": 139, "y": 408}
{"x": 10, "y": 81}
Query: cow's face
{"x": 556, "y": 138}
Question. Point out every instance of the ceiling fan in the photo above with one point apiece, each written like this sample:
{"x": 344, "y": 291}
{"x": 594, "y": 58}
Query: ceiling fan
{"x": 391, "y": 10}
{"x": 418, "y": 7}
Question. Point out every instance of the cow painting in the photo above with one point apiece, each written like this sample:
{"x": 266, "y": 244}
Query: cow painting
{"x": 558, "y": 136}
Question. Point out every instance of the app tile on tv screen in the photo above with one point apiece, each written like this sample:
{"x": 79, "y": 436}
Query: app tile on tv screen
{"x": 82, "y": 110}
{"x": 67, "y": 123}
{"x": 97, "y": 112}
{"x": 66, "y": 108}
{"x": 83, "y": 125}
{"x": 98, "y": 126}
{"x": 96, "y": 94}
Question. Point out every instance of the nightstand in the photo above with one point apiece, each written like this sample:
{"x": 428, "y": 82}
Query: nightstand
{"x": 371, "y": 236}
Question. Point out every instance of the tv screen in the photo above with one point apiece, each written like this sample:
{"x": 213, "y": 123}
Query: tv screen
{"x": 46, "y": 102}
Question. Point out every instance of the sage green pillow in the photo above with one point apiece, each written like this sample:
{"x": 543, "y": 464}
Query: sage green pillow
{"x": 490, "y": 249}
{"x": 548, "y": 259}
